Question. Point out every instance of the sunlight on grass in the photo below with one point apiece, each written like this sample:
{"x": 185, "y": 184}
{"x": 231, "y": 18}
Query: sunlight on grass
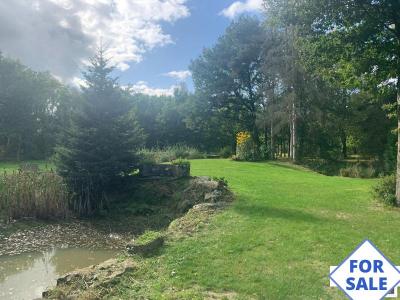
{"x": 277, "y": 241}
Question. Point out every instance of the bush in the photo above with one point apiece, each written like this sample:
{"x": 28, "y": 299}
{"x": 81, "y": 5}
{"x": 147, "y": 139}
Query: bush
{"x": 33, "y": 194}
{"x": 358, "y": 170}
{"x": 225, "y": 152}
{"x": 245, "y": 148}
{"x": 181, "y": 162}
{"x": 385, "y": 190}
{"x": 169, "y": 154}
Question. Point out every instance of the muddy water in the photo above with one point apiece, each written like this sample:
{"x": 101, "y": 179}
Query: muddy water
{"x": 27, "y": 275}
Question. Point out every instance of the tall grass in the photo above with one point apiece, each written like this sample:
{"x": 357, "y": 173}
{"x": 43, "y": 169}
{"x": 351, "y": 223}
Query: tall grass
{"x": 170, "y": 153}
{"x": 41, "y": 195}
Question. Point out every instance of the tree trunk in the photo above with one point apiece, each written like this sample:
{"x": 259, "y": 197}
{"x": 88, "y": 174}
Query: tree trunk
{"x": 256, "y": 139}
{"x": 294, "y": 133}
{"x": 19, "y": 148}
{"x": 272, "y": 140}
{"x": 343, "y": 139}
{"x": 398, "y": 144}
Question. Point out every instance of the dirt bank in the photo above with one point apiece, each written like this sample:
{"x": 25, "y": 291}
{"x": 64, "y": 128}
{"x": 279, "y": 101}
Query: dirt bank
{"x": 193, "y": 204}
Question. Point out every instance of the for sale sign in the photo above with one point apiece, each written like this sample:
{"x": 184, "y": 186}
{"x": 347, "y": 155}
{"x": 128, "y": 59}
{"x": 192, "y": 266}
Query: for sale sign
{"x": 366, "y": 274}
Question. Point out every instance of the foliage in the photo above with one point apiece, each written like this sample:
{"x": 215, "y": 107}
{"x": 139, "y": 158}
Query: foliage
{"x": 353, "y": 45}
{"x": 181, "y": 162}
{"x": 42, "y": 195}
{"x": 169, "y": 154}
{"x": 346, "y": 168}
{"x": 34, "y": 107}
{"x": 358, "y": 171}
{"x": 385, "y": 190}
{"x": 225, "y": 152}
{"x": 228, "y": 75}
{"x": 245, "y": 147}
{"x": 101, "y": 144}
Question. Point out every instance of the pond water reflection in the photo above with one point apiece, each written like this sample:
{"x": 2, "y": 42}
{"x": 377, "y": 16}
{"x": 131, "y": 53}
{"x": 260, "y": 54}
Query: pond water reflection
{"x": 27, "y": 275}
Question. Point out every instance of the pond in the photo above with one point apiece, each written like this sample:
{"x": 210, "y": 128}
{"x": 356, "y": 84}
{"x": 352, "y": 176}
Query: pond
{"x": 27, "y": 275}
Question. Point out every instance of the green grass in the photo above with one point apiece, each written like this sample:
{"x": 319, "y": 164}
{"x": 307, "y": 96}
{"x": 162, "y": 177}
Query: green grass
{"x": 148, "y": 237}
{"x": 277, "y": 241}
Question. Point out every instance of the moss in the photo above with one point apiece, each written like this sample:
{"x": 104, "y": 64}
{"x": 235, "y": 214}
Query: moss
{"x": 148, "y": 237}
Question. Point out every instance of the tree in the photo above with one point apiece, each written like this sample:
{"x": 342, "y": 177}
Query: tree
{"x": 33, "y": 109}
{"x": 229, "y": 74}
{"x": 100, "y": 146}
{"x": 361, "y": 39}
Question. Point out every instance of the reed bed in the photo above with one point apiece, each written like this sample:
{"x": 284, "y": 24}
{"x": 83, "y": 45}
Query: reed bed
{"x": 33, "y": 194}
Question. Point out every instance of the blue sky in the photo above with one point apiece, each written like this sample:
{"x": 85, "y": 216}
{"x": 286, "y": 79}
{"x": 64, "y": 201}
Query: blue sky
{"x": 190, "y": 35}
{"x": 145, "y": 39}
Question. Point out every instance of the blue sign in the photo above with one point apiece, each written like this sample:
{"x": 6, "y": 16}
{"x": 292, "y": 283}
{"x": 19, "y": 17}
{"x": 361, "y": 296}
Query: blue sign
{"x": 366, "y": 274}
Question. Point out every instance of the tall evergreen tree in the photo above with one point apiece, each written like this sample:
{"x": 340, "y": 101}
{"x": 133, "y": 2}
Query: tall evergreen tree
{"x": 100, "y": 146}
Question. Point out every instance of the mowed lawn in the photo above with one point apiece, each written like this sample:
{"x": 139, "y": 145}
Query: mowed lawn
{"x": 277, "y": 241}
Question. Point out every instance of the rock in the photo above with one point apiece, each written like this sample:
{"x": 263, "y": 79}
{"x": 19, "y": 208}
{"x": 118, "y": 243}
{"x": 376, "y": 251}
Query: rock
{"x": 201, "y": 190}
{"x": 146, "y": 249}
{"x": 214, "y": 196}
{"x": 74, "y": 283}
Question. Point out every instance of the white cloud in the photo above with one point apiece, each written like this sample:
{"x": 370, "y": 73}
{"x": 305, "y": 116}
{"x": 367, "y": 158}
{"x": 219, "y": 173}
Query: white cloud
{"x": 61, "y": 34}
{"x": 78, "y": 82}
{"x": 142, "y": 87}
{"x": 179, "y": 75}
{"x": 240, "y": 7}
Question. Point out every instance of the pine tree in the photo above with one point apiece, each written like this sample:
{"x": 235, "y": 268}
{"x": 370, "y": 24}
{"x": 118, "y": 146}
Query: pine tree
{"x": 100, "y": 146}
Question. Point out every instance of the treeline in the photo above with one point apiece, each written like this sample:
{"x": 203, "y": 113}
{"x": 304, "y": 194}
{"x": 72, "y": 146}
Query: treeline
{"x": 290, "y": 92}
{"x": 36, "y": 110}
{"x": 314, "y": 80}
{"x": 34, "y": 107}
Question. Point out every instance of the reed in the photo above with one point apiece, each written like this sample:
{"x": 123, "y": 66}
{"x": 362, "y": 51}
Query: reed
{"x": 33, "y": 194}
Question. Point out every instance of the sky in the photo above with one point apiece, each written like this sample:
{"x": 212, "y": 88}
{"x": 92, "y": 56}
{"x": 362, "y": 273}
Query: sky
{"x": 151, "y": 42}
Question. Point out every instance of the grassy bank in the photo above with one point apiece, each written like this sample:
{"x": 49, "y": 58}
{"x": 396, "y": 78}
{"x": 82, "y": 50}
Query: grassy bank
{"x": 277, "y": 241}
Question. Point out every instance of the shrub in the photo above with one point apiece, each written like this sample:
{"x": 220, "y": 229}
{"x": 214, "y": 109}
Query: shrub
{"x": 385, "y": 190}
{"x": 33, "y": 194}
{"x": 245, "y": 148}
{"x": 181, "y": 162}
{"x": 169, "y": 154}
{"x": 359, "y": 170}
{"x": 324, "y": 166}
{"x": 225, "y": 152}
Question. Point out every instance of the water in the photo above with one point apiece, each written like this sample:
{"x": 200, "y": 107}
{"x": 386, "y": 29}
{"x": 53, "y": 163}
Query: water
{"x": 27, "y": 275}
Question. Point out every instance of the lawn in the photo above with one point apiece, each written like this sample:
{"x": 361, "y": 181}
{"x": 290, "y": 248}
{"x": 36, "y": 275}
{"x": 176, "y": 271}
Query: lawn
{"x": 277, "y": 241}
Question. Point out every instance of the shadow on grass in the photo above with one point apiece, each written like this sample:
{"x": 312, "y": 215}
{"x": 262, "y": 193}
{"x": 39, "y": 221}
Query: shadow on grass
{"x": 288, "y": 165}
{"x": 265, "y": 212}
